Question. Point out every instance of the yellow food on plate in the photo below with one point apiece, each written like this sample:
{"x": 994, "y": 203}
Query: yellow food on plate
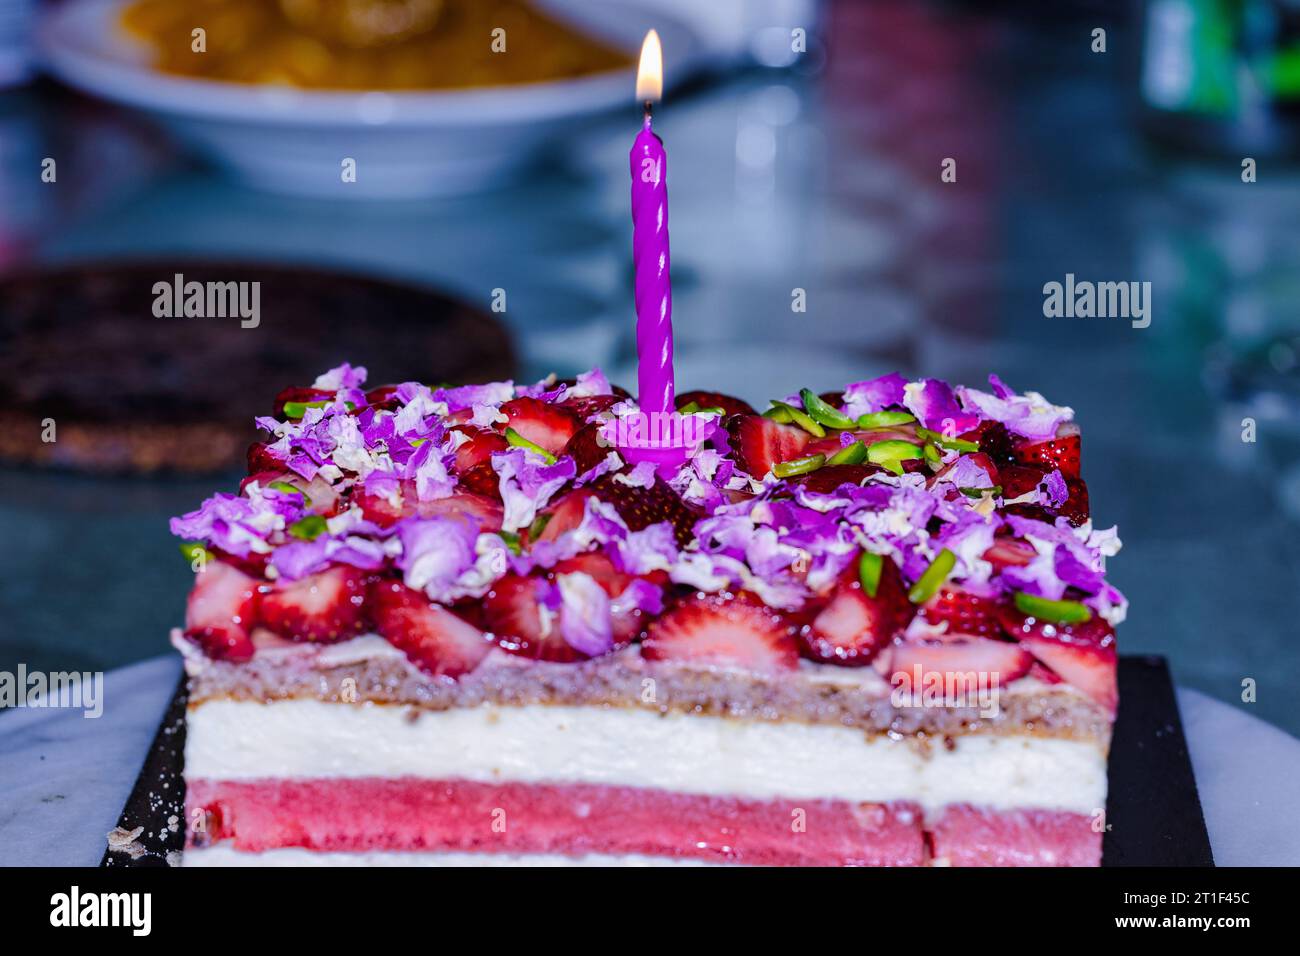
{"x": 367, "y": 44}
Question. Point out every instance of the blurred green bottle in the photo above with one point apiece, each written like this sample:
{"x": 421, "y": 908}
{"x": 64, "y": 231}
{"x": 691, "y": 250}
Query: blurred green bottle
{"x": 1223, "y": 76}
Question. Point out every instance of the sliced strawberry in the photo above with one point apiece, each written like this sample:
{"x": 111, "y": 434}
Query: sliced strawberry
{"x": 588, "y": 406}
{"x": 638, "y": 507}
{"x": 324, "y": 607}
{"x": 259, "y": 459}
{"x": 478, "y": 449}
{"x": 384, "y": 396}
{"x": 377, "y": 508}
{"x": 641, "y": 507}
{"x": 563, "y": 515}
{"x": 299, "y": 394}
{"x": 252, "y": 564}
{"x": 719, "y": 630}
{"x": 220, "y": 612}
{"x": 729, "y": 404}
{"x": 1010, "y": 553}
{"x": 545, "y": 424}
{"x": 829, "y": 477}
{"x": 965, "y": 612}
{"x": 1062, "y": 452}
{"x": 1039, "y": 672}
{"x": 435, "y": 639}
{"x": 483, "y": 480}
{"x": 522, "y": 624}
{"x": 1076, "y": 509}
{"x": 994, "y": 440}
{"x": 979, "y": 658}
{"x": 853, "y": 626}
{"x": 482, "y": 509}
{"x": 323, "y": 497}
{"x": 263, "y": 478}
{"x": 1019, "y": 480}
{"x": 598, "y": 566}
{"x": 587, "y": 448}
{"x": 758, "y": 443}
{"x": 1083, "y": 655}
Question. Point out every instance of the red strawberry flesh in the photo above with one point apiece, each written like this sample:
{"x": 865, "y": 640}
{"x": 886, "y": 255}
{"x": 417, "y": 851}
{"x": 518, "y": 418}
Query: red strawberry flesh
{"x": 324, "y": 607}
{"x": 1083, "y": 655}
{"x": 641, "y": 507}
{"x": 758, "y": 443}
{"x": 1062, "y": 452}
{"x": 587, "y": 448}
{"x": 478, "y": 449}
{"x": 435, "y": 639}
{"x": 729, "y": 404}
{"x": 853, "y": 626}
{"x": 719, "y": 630}
{"x": 546, "y": 425}
{"x": 964, "y": 612}
{"x": 514, "y": 613}
{"x": 220, "y": 612}
{"x": 979, "y": 659}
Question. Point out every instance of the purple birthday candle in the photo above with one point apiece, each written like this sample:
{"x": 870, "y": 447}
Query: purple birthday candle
{"x": 654, "y": 295}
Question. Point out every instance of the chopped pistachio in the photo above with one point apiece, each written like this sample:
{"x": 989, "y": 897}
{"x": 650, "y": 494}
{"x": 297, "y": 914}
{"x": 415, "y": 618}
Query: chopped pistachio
{"x": 308, "y": 528}
{"x": 1046, "y": 609}
{"x": 885, "y": 419}
{"x": 933, "y": 577}
{"x": 519, "y": 441}
{"x": 798, "y": 466}
{"x": 869, "y": 566}
{"x": 854, "y": 454}
{"x": 823, "y": 412}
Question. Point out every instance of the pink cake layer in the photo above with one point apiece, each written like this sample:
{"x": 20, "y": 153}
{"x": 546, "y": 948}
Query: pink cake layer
{"x": 410, "y": 814}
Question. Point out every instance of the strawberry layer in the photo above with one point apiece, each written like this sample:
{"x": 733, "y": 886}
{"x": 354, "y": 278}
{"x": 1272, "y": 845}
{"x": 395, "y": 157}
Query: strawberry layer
{"x": 223, "y": 854}
{"x": 409, "y": 814}
{"x": 427, "y": 817}
{"x": 975, "y": 836}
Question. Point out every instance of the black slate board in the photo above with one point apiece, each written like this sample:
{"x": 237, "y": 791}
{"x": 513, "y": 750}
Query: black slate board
{"x": 158, "y": 794}
{"x": 1153, "y": 812}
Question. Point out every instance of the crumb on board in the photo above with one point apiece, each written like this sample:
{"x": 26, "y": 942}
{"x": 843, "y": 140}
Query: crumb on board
{"x": 121, "y": 840}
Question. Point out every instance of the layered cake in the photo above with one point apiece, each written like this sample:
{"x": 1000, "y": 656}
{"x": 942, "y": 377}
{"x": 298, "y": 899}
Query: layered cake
{"x": 452, "y": 625}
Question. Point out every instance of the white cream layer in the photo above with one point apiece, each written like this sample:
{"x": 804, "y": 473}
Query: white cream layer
{"x": 223, "y": 855}
{"x": 239, "y": 740}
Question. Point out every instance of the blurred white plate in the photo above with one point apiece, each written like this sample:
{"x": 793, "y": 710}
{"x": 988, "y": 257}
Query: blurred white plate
{"x": 406, "y": 144}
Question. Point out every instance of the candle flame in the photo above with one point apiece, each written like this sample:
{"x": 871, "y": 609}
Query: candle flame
{"x": 650, "y": 72}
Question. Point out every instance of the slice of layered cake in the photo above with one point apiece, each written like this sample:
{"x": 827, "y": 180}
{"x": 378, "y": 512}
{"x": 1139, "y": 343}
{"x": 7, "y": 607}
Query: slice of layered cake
{"x": 452, "y": 625}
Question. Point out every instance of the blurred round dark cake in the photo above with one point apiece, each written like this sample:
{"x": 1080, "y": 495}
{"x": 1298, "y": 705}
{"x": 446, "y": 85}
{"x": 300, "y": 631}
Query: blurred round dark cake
{"x": 129, "y": 368}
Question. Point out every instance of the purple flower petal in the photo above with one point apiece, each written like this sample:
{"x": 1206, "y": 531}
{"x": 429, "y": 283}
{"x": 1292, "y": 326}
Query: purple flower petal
{"x": 934, "y": 404}
{"x": 1029, "y": 415}
{"x": 584, "y": 614}
{"x": 1055, "y": 490}
{"x": 527, "y": 484}
{"x": 874, "y": 395}
{"x": 342, "y": 376}
{"x": 436, "y": 552}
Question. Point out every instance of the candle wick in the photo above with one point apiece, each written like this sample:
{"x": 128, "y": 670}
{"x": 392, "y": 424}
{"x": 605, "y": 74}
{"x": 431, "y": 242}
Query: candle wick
{"x": 649, "y": 111}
